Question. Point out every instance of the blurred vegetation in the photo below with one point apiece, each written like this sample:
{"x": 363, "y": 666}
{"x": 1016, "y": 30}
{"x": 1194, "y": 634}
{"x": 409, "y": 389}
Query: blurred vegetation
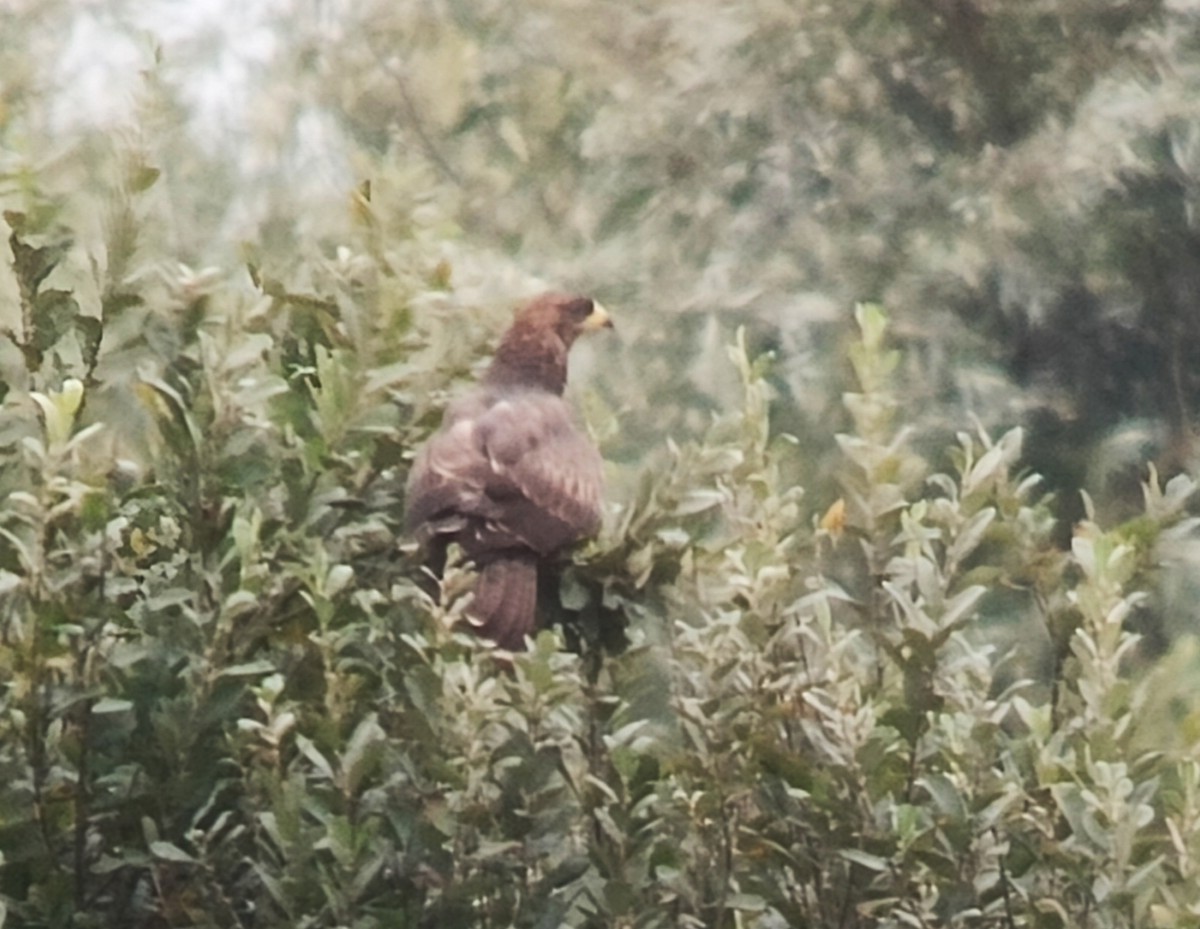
{"x": 891, "y": 622}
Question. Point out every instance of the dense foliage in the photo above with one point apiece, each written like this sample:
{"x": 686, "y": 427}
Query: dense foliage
{"x": 837, "y": 658}
{"x": 227, "y": 703}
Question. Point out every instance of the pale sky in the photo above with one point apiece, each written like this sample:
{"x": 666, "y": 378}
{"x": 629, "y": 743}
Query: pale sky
{"x": 219, "y": 42}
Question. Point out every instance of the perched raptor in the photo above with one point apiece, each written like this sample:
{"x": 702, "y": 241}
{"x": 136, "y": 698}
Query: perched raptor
{"x": 509, "y": 476}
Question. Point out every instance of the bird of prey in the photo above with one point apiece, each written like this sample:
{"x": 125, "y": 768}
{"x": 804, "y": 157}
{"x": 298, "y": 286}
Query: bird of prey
{"x": 509, "y": 477}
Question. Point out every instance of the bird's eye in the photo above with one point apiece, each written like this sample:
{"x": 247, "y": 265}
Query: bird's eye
{"x": 579, "y": 309}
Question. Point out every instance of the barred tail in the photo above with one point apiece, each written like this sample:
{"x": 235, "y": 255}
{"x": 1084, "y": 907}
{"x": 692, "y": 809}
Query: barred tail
{"x": 505, "y": 605}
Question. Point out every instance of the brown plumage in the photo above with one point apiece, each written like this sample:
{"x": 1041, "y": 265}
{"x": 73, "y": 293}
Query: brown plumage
{"x": 509, "y": 476}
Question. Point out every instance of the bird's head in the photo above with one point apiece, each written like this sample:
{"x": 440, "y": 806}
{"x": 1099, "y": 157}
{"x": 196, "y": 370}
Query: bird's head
{"x": 565, "y": 315}
{"x": 534, "y": 350}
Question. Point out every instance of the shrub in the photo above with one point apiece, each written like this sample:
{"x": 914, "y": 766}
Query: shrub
{"x": 225, "y": 701}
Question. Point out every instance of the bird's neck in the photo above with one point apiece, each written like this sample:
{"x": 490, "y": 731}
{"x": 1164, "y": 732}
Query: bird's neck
{"x": 529, "y": 360}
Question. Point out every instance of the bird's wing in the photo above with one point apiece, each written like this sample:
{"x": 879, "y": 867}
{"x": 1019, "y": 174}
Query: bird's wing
{"x": 449, "y": 473}
{"x": 515, "y": 469}
{"x": 547, "y": 479}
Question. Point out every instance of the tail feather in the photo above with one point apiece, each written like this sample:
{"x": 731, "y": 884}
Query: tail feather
{"x": 505, "y": 605}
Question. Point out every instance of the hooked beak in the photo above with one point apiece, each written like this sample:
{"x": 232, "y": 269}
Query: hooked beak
{"x": 597, "y": 319}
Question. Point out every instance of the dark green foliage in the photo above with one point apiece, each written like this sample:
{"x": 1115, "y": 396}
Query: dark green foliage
{"x": 227, "y": 702}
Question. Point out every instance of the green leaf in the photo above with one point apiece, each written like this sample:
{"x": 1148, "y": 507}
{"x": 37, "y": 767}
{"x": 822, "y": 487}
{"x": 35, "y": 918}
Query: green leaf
{"x": 865, "y": 859}
{"x": 89, "y": 330}
{"x": 249, "y": 669}
{"x": 166, "y": 851}
{"x": 363, "y": 754}
{"x": 111, "y": 705}
{"x": 55, "y": 313}
{"x": 318, "y": 760}
{"x": 143, "y": 178}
